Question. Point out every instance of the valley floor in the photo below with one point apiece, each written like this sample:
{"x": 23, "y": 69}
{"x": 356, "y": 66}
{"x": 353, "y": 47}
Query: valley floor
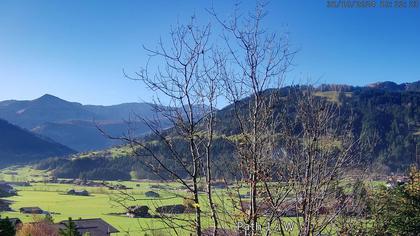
{"x": 52, "y": 197}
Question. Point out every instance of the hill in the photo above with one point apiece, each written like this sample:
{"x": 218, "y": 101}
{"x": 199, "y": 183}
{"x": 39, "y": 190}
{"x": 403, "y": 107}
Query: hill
{"x": 391, "y": 86}
{"x": 388, "y": 116}
{"x": 74, "y": 124}
{"x": 21, "y": 146}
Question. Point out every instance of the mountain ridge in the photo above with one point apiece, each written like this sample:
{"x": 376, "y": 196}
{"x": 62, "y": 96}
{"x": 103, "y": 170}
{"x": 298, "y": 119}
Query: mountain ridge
{"x": 70, "y": 123}
{"x": 390, "y": 117}
{"x": 18, "y": 145}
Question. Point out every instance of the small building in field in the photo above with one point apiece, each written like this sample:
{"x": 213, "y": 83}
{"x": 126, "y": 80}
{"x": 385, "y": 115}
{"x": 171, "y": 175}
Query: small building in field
{"x": 31, "y": 210}
{"x": 78, "y": 192}
{"x": 91, "y": 227}
{"x": 138, "y": 212}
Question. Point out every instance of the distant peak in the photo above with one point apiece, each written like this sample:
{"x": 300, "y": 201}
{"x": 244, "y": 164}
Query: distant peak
{"x": 49, "y": 98}
{"x": 382, "y": 83}
{"x": 387, "y": 85}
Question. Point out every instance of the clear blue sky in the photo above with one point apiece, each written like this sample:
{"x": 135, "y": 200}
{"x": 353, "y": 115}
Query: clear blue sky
{"x": 77, "y": 49}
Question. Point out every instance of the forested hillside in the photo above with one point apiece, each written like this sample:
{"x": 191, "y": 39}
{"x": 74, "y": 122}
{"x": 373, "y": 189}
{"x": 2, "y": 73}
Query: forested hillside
{"x": 21, "y": 146}
{"x": 387, "y": 122}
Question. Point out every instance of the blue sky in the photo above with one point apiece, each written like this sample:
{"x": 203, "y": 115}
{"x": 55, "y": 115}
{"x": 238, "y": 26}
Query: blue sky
{"x": 77, "y": 49}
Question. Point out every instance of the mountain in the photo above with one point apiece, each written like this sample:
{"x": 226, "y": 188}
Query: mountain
{"x": 85, "y": 135}
{"x": 18, "y": 145}
{"x": 382, "y": 113}
{"x": 48, "y": 108}
{"x": 392, "y": 86}
{"x": 73, "y": 124}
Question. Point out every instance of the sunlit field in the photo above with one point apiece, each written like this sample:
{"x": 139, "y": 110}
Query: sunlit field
{"x": 101, "y": 203}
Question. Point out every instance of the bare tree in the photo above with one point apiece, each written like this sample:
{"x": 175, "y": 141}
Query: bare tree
{"x": 296, "y": 157}
{"x": 318, "y": 151}
{"x": 185, "y": 79}
{"x": 257, "y": 62}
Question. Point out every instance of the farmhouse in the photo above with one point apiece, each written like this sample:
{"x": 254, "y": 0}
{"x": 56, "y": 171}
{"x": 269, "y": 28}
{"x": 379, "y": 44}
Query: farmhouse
{"x": 138, "y": 212}
{"x": 31, "y": 210}
{"x": 92, "y": 227}
{"x": 78, "y": 192}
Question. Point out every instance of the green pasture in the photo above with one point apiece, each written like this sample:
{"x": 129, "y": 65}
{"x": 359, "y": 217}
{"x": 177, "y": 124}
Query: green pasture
{"x": 52, "y": 198}
{"x": 101, "y": 203}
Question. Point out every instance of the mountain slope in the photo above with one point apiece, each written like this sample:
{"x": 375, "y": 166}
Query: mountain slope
{"x": 391, "y": 86}
{"x": 21, "y": 146}
{"x": 74, "y": 124}
{"x": 85, "y": 135}
{"x": 391, "y": 117}
{"x": 47, "y": 108}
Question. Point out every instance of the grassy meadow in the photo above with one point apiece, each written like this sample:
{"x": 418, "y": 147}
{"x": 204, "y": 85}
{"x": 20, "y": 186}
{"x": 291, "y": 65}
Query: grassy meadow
{"x": 101, "y": 203}
{"x": 51, "y": 197}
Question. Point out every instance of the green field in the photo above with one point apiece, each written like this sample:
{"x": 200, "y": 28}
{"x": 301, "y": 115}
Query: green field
{"x": 51, "y": 198}
{"x": 101, "y": 203}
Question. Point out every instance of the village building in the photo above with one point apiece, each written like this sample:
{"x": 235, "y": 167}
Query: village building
{"x": 78, "y": 192}
{"x": 138, "y": 212}
{"x": 31, "y": 210}
{"x": 92, "y": 227}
